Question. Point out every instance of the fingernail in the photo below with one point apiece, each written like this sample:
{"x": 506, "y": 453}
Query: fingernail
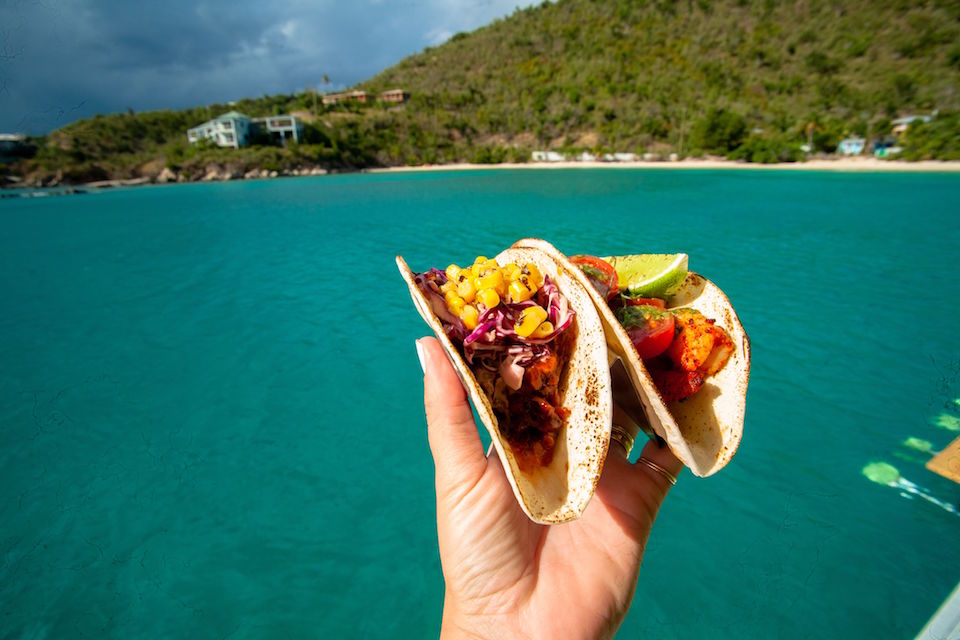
{"x": 420, "y": 356}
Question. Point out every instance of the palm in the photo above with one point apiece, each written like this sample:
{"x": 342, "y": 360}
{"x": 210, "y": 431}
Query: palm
{"x": 574, "y": 580}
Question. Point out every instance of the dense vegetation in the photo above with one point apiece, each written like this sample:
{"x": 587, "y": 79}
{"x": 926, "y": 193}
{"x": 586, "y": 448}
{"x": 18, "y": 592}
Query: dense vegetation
{"x": 747, "y": 79}
{"x": 659, "y": 75}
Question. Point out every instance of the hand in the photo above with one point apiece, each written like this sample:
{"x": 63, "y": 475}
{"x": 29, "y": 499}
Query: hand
{"x": 507, "y": 576}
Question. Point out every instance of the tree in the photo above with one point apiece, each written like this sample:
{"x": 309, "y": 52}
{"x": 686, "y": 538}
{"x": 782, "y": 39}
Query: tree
{"x": 721, "y": 131}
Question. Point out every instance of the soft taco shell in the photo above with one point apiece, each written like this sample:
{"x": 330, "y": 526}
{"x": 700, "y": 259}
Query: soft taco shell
{"x": 559, "y": 492}
{"x": 704, "y": 430}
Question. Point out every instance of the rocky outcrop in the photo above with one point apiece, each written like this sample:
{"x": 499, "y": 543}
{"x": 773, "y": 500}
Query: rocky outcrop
{"x": 153, "y": 172}
{"x": 151, "y": 169}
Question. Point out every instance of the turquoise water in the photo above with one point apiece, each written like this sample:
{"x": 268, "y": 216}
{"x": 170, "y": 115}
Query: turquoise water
{"x": 211, "y": 421}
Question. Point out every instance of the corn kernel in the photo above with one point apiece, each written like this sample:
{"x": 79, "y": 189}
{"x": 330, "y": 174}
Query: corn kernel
{"x": 467, "y": 289}
{"x": 491, "y": 279}
{"x": 488, "y": 298}
{"x": 452, "y": 272}
{"x": 512, "y": 271}
{"x": 519, "y": 291}
{"x": 480, "y": 260}
{"x": 455, "y": 304}
{"x": 530, "y": 318}
{"x": 449, "y": 285}
{"x": 545, "y": 329}
{"x": 469, "y": 315}
{"x": 536, "y": 279}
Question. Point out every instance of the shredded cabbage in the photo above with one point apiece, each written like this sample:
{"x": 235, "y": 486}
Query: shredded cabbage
{"x": 494, "y": 344}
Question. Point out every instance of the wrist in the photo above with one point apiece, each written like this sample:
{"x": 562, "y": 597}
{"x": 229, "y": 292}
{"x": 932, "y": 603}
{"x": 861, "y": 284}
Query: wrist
{"x": 453, "y": 625}
{"x": 456, "y": 625}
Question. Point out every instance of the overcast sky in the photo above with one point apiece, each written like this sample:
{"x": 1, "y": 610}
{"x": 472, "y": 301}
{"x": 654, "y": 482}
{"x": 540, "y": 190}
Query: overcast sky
{"x": 61, "y": 60}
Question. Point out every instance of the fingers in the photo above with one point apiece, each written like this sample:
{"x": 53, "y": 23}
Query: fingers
{"x": 624, "y": 432}
{"x": 454, "y": 441}
{"x": 659, "y": 456}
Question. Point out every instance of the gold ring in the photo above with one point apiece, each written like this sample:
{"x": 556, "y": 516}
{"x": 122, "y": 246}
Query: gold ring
{"x": 672, "y": 479}
{"x": 622, "y": 437}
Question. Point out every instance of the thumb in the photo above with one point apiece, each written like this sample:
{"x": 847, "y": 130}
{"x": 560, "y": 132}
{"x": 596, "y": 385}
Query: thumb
{"x": 454, "y": 442}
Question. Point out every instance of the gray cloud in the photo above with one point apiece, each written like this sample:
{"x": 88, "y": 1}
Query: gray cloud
{"x": 68, "y": 59}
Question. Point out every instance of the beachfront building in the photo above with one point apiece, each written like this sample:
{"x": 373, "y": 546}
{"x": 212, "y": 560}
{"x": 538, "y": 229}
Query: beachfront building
{"x": 231, "y": 129}
{"x": 279, "y": 128}
{"x": 851, "y": 146}
{"x": 619, "y": 157}
{"x": 886, "y": 148}
{"x": 349, "y": 96}
{"x": 900, "y": 125}
{"x": 395, "y": 95}
{"x": 547, "y": 156}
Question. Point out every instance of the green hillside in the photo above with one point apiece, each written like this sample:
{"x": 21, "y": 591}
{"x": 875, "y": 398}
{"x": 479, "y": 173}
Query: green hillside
{"x": 750, "y": 79}
{"x": 631, "y": 75}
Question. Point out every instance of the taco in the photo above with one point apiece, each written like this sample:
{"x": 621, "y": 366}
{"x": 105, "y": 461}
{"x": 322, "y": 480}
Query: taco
{"x": 534, "y": 364}
{"x": 702, "y": 428}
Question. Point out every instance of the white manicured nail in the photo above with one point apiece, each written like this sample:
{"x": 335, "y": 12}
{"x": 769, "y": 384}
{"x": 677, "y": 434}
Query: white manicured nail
{"x": 420, "y": 356}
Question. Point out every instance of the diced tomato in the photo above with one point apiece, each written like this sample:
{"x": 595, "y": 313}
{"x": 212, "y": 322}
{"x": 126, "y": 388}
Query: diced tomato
{"x": 650, "y": 329}
{"x": 644, "y": 302}
{"x": 601, "y": 274}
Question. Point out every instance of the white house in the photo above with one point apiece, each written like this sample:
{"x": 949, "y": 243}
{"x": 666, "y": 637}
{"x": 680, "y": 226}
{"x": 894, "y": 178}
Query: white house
{"x": 851, "y": 146}
{"x": 231, "y": 129}
{"x": 547, "y": 156}
{"x": 619, "y": 157}
{"x": 279, "y": 126}
{"x": 234, "y": 129}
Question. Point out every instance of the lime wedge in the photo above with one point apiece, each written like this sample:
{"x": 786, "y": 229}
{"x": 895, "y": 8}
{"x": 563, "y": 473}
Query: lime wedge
{"x": 655, "y": 275}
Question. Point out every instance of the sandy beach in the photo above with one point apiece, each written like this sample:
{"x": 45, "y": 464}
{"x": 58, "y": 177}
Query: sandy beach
{"x": 819, "y": 164}
{"x": 847, "y": 165}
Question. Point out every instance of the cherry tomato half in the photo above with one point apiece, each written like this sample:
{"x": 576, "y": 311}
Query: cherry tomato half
{"x": 650, "y": 329}
{"x": 601, "y": 274}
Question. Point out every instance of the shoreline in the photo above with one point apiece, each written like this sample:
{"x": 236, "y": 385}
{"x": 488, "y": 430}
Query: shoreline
{"x": 837, "y": 165}
{"x": 851, "y": 165}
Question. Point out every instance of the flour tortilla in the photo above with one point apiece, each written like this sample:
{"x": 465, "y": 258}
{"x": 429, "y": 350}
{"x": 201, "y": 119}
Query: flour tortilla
{"x": 559, "y": 492}
{"x": 704, "y": 430}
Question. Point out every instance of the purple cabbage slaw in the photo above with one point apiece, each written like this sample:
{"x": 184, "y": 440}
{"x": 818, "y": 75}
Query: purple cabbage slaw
{"x": 494, "y": 344}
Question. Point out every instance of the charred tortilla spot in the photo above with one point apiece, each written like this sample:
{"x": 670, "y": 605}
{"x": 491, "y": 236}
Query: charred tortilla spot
{"x": 592, "y": 393}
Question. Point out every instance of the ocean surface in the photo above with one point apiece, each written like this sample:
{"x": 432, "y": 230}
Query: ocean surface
{"x": 211, "y": 420}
